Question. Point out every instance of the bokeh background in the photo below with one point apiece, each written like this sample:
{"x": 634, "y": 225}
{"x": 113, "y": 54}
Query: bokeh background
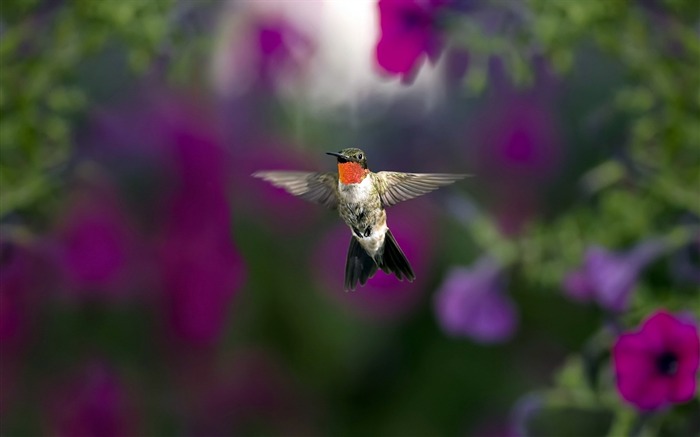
{"x": 150, "y": 286}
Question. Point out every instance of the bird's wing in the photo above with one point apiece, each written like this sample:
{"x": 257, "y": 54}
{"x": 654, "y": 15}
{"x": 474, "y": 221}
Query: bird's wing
{"x": 395, "y": 187}
{"x": 314, "y": 187}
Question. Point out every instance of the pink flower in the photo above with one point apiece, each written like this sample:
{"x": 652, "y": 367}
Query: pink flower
{"x": 472, "y": 303}
{"x": 658, "y": 364}
{"x": 95, "y": 245}
{"x": 262, "y": 52}
{"x": 517, "y": 152}
{"x": 93, "y": 402}
{"x": 171, "y": 146}
{"x": 408, "y": 32}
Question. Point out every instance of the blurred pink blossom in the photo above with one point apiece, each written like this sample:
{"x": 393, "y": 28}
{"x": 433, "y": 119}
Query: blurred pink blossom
{"x": 658, "y": 364}
{"x": 409, "y": 31}
{"x": 266, "y": 51}
{"x": 187, "y": 214}
{"x": 516, "y": 150}
{"x": 472, "y": 302}
{"x": 92, "y": 402}
{"x": 95, "y": 246}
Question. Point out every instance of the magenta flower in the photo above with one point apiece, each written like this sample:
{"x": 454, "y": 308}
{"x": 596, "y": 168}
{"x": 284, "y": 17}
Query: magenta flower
{"x": 471, "y": 302}
{"x": 200, "y": 268}
{"x": 516, "y": 152}
{"x": 409, "y": 31}
{"x": 93, "y": 402}
{"x": 608, "y": 277}
{"x": 185, "y": 206}
{"x": 264, "y": 52}
{"x": 658, "y": 364}
{"x": 95, "y": 246}
{"x": 201, "y": 273}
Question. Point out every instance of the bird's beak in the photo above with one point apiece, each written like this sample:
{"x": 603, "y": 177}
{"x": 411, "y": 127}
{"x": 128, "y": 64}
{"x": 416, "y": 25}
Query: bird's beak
{"x": 338, "y": 155}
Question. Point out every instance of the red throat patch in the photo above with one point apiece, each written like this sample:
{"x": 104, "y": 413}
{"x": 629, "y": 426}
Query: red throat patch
{"x": 351, "y": 173}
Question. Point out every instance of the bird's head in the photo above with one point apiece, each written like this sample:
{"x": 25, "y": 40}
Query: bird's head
{"x": 352, "y": 165}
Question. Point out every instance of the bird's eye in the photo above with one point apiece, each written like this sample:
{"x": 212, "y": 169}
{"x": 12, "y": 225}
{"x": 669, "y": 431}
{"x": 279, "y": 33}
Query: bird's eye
{"x": 359, "y": 156}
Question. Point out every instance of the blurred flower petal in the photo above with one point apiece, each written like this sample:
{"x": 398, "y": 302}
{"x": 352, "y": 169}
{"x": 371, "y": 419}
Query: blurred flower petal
{"x": 610, "y": 277}
{"x": 472, "y": 303}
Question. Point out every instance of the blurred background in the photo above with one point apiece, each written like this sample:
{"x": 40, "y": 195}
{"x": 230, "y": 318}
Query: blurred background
{"x": 150, "y": 286}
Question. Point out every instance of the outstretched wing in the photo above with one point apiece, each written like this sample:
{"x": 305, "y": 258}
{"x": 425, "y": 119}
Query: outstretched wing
{"x": 314, "y": 187}
{"x": 395, "y": 187}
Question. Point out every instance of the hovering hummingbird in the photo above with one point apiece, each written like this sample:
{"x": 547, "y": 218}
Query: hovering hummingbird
{"x": 361, "y": 197}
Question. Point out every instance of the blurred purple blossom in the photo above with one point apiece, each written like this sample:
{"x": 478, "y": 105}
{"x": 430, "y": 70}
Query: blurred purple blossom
{"x": 609, "y": 278}
{"x": 383, "y": 296}
{"x": 516, "y": 148}
{"x": 471, "y": 302}
{"x": 92, "y": 402}
{"x": 188, "y": 213}
{"x": 409, "y": 31}
{"x": 265, "y": 52}
{"x": 95, "y": 246}
{"x": 658, "y": 364}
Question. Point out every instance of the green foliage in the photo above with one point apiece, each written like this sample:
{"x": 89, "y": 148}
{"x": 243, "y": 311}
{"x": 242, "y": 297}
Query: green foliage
{"x": 41, "y": 50}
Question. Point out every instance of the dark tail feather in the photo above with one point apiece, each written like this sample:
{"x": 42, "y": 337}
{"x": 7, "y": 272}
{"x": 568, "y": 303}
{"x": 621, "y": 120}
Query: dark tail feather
{"x": 393, "y": 259}
{"x": 359, "y": 265}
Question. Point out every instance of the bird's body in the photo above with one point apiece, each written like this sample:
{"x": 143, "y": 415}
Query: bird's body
{"x": 361, "y": 197}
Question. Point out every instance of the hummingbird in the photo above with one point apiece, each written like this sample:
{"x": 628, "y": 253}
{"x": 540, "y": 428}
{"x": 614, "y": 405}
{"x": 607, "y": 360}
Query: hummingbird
{"x": 361, "y": 198}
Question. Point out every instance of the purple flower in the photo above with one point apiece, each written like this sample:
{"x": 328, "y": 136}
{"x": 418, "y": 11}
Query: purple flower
{"x": 201, "y": 273}
{"x": 516, "y": 151}
{"x": 92, "y": 402}
{"x": 186, "y": 213}
{"x": 658, "y": 364}
{"x": 200, "y": 267}
{"x": 471, "y": 302}
{"x": 409, "y": 31}
{"x": 95, "y": 246}
{"x": 384, "y": 296}
{"x": 264, "y": 52}
{"x": 608, "y": 277}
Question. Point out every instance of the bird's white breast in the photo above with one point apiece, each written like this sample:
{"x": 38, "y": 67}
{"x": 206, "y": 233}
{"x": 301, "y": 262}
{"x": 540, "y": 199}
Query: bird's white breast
{"x": 356, "y": 193}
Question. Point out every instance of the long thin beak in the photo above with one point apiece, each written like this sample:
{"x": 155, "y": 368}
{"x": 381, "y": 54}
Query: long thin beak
{"x": 336, "y": 154}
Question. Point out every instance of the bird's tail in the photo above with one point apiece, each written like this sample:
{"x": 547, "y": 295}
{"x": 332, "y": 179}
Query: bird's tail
{"x": 393, "y": 259}
{"x": 359, "y": 266}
